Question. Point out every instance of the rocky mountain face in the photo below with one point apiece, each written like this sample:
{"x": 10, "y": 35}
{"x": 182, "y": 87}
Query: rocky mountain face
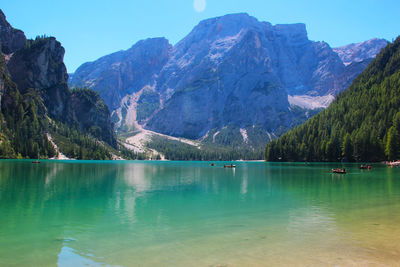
{"x": 34, "y": 77}
{"x": 230, "y": 78}
{"x": 39, "y": 64}
{"x": 11, "y": 39}
{"x": 359, "y": 52}
{"x": 125, "y": 72}
{"x": 2, "y": 84}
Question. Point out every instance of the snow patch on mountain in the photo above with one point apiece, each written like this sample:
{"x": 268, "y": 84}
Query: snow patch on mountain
{"x": 310, "y": 102}
{"x": 221, "y": 46}
{"x": 360, "y": 51}
{"x": 215, "y": 135}
{"x": 243, "y": 132}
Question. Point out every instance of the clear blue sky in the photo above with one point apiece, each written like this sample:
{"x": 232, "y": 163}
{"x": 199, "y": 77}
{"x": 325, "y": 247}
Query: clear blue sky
{"x": 89, "y": 29}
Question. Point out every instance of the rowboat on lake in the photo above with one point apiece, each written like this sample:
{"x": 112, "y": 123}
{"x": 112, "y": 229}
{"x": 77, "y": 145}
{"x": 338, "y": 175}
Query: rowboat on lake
{"x": 393, "y": 163}
{"x": 338, "y": 170}
{"x": 230, "y": 166}
{"x": 366, "y": 167}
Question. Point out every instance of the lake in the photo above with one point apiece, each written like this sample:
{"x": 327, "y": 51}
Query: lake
{"x": 147, "y": 213}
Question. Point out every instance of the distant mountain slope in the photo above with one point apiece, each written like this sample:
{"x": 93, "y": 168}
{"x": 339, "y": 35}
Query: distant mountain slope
{"x": 359, "y": 52}
{"x": 125, "y": 72}
{"x": 229, "y": 81}
{"x": 362, "y": 124}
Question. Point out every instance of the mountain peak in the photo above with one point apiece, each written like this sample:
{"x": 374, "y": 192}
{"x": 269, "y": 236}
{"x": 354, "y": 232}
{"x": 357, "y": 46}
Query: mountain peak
{"x": 232, "y": 27}
{"x": 150, "y": 48}
{"x": 232, "y": 24}
{"x": 151, "y": 41}
{"x": 236, "y": 18}
{"x": 227, "y": 25}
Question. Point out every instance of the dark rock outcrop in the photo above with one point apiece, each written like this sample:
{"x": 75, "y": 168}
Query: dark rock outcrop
{"x": 39, "y": 64}
{"x": 10, "y": 39}
{"x": 6, "y": 85}
{"x": 2, "y": 77}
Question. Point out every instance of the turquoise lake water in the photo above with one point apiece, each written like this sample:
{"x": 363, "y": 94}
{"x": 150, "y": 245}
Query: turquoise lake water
{"x": 142, "y": 213}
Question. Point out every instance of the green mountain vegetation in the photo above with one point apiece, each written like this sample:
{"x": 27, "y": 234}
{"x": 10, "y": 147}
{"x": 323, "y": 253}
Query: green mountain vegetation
{"x": 175, "y": 150}
{"x": 21, "y": 126}
{"x": 362, "y": 124}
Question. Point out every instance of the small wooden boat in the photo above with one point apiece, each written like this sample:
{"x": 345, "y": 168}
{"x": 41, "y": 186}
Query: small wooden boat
{"x": 230, "y": 166}
{"x": 365, "y": 167}
{"x": 212, "y": 164}
{"x": 393, "y": 163}
{"x": 338, "y": 170}
{"x": 35, "y": 161}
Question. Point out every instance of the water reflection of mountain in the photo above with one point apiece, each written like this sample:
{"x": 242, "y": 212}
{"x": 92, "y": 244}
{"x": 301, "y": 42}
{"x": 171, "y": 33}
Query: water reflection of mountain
{"x": 43, "y": 203}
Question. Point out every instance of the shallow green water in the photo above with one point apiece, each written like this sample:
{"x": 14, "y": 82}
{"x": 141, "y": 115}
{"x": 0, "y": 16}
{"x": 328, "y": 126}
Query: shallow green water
{"x": 73, "y": 213}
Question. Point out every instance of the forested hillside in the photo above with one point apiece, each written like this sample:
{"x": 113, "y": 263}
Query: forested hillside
{"x": 362, "y": 124}
{"x": 174, "y": 150}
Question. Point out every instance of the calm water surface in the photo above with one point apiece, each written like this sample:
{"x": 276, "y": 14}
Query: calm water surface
{"x": 138, "y": 213}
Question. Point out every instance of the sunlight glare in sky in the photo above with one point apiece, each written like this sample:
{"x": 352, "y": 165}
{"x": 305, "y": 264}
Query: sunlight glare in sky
{"x": 199, "y": 5}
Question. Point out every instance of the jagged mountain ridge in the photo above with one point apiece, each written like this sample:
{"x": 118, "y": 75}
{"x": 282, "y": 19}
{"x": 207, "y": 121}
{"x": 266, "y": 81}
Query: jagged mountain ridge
{"x": 231, "y": 72}
{"x": 360, "y": 51}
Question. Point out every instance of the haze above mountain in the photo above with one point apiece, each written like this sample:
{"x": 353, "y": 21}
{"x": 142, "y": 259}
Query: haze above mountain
{"x": 231, "y": 80}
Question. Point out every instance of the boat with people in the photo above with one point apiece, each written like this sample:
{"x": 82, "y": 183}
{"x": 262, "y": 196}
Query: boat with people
{"x": 365, "y": 167}
{"x": 229, "y": 166}
{"x": 339, "y": 170}
{"x": 393, "y": 163}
